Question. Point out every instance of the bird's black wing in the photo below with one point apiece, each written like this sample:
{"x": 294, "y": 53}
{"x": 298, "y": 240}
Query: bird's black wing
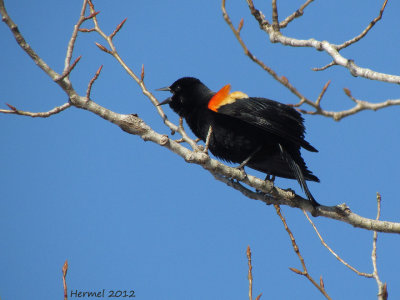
{"x": 273, "y": 117}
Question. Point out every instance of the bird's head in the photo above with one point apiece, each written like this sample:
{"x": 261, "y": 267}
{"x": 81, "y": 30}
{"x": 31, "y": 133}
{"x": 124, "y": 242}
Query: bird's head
{"x": 187, "y": 93}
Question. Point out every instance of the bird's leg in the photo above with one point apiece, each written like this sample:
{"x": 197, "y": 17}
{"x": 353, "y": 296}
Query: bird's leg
{"x": 244, "y": 163}
{"x": 181, "y": 123}
{"x": 270, "y": 177}
{"x": 208, "y": 138}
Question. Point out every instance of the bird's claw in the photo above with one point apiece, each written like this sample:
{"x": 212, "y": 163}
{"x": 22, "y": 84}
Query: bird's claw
{"x": 242, "y": 171}
{"x": 270, "y": 177}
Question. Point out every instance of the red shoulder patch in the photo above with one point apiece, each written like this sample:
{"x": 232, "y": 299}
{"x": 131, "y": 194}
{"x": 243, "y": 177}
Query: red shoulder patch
{"x": 223, "y": 97}
{"x": 219, "y": 98}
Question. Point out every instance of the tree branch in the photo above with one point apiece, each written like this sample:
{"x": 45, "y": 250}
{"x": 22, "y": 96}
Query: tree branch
{"x": 296, "y": 14}
{"x": 338, "y": 115}
{"x": 250, "y": 275}
{"x": 368, "y": 275}
{"x": 46, "y": 114}
{"x": 333, "y": 50}
{"x": 340, "y": 212}
{"x": 296, "y": 249}
{"x": 132, "y": 124}
{"x": 139, "y": 80}
{"x": 282, "y": 79}
{"x": 365, "y": 31}
{"x": 64, "y": 276}
{"x": 382, "y": 288}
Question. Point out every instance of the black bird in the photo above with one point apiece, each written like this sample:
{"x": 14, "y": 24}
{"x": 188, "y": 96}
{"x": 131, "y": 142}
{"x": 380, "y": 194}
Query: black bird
{"x": 262, "y": 134}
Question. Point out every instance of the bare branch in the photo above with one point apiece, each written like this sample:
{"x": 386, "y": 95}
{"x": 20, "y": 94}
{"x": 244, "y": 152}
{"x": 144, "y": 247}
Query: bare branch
{"x": 365, "y": 31}
{"x": 46, "y": 114}
{"x": 331, "y": 49}
{"x": 142, "y": 74}
{"x": 296, "y": 249}
{"x": 338, "y": 115}
{"x": 283, "y": 80}
{"x": 271, "y": 194}
{"x": 256, "y": 13}
{"x": 275, "y": 21}
{"x": 138, "y": 79}
{"x": 296, "y": 14}
{"x": 86, "y": 29}
{"x": 240, "y": 26}
{"x": 322, "y": 92}
{"x": 316, "y": 104}
{"x": 71, "y": 43}
{"x": 276, "y": 36}
{"x": 321, "y": 282}
{"x": 362, "y": 105}
{"x": 325, "y": 67}
{"x": 382, "y": 288}
{"x": 102, "y": 48}
{"x": 68, "y": 70}
{"x": 368, "y": 275}
{"x": 92, "y": 81}
{"x": 249, "y": 275}
{"x": 92, "y": 15}
{"x": 64, "y": 272}
{"x": 23, "y": 44}
{"x": 117, "y": 29}
{"x": 208, "y": 139}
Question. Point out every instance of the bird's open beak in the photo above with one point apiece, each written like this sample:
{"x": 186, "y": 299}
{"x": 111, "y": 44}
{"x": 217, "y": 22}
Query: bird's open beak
{"x": 164, "y": 89}
{"x": 166, "y": 101}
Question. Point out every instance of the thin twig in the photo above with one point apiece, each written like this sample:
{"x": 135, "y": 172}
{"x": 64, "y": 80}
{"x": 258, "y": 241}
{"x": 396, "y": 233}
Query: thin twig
{"x": 71, "y": 43}
{"x": 275, "y": 21}
{"x": 118, "y": 28}
{"x": 142, "y": 74}
{"x": 139, "y": 80}
{"x": 331, "y": 49}
{"x": 296, "y": 14}
{"x": 368, "y": 275}
{"x": 338, "y": 115}
{"x": 365, "y": 31}
{"x": 332, "y": 63}
{"x": 318, "y": 102}
{"x": 249, "y": 274}
{"x": 64, "y": 272}
{"x": 208, "y": 138}
{"x": 282, "y": 79}
{"x": 23, "y": 44}
{"x": 382, "y": 288}
{"x": 46, "y": 114}
{"x": 67, "y": 71}
{"x": 276, "y": 36}
{"x": 89, "y": 88}
{"x": 296, "y": 249}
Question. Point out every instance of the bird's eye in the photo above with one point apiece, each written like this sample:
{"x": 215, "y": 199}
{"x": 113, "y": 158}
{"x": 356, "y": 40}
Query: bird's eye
{"x": 177, "y": 88}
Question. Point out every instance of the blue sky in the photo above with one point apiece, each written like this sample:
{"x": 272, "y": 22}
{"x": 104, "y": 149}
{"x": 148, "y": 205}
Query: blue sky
{"x": 130, "y": 215}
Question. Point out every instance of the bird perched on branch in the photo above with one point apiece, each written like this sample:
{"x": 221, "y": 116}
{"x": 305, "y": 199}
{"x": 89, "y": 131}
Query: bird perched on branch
{"x": 262, "y": 134}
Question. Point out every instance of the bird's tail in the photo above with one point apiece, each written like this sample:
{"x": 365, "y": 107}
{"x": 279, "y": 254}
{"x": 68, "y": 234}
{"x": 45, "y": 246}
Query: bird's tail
{"x": 298, "y": 173}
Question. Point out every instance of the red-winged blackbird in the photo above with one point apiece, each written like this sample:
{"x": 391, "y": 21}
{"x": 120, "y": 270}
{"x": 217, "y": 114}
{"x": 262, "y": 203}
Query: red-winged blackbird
{"x": 262, "y": 134}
